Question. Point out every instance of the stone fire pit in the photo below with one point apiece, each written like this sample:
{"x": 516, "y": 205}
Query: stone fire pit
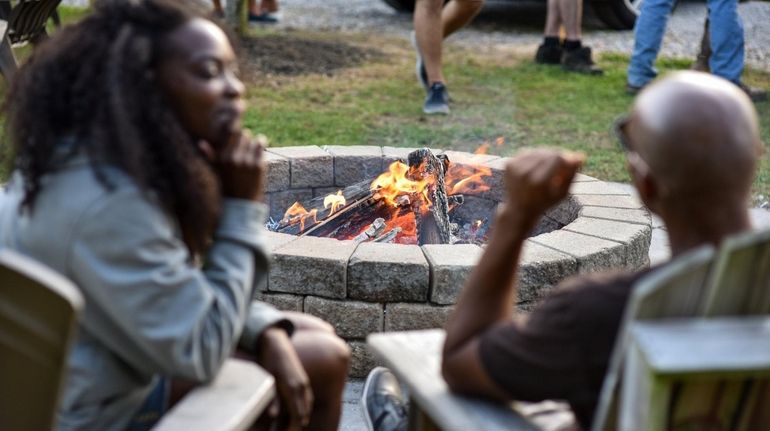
{"x": 371, "y": 287}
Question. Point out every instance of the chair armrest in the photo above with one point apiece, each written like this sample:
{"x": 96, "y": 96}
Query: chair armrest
{"x": 415, "y": 358}
{"x": 232, "y": 402}
{"x": 696, "y": 345}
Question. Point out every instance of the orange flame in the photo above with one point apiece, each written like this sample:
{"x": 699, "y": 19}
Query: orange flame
{"x": 467, "y": 178}
{"x": 398, "y": 187}
{"x": 335, "y": 201}
{"x": 483, "y": 149}
{"x": 298, "y": 214}
{"x": 499, "y": 141}
{"x": 390, "y": 185}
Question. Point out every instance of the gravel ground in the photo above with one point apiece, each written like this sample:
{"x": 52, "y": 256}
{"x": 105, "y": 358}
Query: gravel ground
{"x": 503, "y": 23}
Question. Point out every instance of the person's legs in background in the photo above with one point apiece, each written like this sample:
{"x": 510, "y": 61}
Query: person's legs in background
{"x": 726, "y": 34}
{"x": 218, "y": 7}
{"x": 432, "y": 23}
{"x": 429, "y": 35}
{"x": 264, "y": 12}
{"x": 572, "y": 55}
{"x": 727, "y": 45}
{"x": 648, "y": 35}
{"x": 550, "y": 51}
{"x": 576, "y": 57}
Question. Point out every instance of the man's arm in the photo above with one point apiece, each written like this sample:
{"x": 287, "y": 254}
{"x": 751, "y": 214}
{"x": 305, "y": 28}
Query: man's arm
{"x": 534, "y": 181}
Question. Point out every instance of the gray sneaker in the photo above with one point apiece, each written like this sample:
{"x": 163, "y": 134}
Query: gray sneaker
{"x": 437, "y": 101}
{"x": 382, "y": 402}
{"x": 419, "y": 66}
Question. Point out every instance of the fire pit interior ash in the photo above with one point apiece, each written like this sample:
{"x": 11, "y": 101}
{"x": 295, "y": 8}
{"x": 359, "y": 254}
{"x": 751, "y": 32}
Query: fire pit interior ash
{"x": 382, "y": 238}
{"x": 410, "y": 203}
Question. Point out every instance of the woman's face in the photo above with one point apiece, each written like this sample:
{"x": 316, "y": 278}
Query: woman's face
{"x": 199, "y": 76}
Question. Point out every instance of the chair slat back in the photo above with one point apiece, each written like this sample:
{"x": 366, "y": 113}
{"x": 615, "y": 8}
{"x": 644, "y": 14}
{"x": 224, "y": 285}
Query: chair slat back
{"x": 38, "y": 311}
{"x": 28, "y": 19}
{"x": 675, "y": 290}
{"x": 740, "y": 284}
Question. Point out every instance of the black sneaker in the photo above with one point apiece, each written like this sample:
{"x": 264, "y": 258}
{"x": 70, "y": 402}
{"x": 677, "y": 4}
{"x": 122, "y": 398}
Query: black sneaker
{"x": 755, "y": 94}
{"x": 548, "y": 54}
{"x": 419, "y": 66}
{"x": 382, "y": 402}
{"x": 437, "y": 101}
{"x": 579, "y": 60}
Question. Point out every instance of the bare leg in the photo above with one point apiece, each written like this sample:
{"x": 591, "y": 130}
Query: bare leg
{"x": 553, "y": 19}
{"x": 217, "y": 6}
{"x": 325, "y": 358}
{"x": 428, "y": 31}
{"x": 458, "y": 13}
{"x": 571, "y": 12}
{"x": 269, "y": 6}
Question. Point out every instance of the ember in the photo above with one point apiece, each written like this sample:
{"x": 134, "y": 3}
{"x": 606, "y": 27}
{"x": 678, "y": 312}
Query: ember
{"x": 407, "y": 204}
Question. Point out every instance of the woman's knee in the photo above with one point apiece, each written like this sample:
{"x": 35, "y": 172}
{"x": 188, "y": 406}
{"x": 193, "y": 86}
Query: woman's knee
{"x": 323, "y": 354}
{"x": 307, "y": 322}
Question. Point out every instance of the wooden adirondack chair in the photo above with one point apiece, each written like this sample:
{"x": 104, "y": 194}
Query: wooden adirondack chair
{"x": 415, "y": 358}
{"x": 675, "y": 290}
{"x": 672, "y": 291}
{"x": 38, "y": 314}
{"x": 24, "y": 22}
{"x": 735, "y": 282}
{"x": 702, "y": 283}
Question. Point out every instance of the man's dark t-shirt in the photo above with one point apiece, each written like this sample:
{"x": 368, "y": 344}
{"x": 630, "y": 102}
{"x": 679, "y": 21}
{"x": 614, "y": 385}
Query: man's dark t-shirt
{"x": 563, "y": 349}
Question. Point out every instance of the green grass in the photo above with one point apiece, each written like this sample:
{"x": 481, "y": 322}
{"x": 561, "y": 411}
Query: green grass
{"x": 494, "y": 95}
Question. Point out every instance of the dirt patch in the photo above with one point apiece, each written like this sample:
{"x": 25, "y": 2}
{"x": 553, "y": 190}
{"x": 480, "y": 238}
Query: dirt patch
{"x": 292, "y": 56}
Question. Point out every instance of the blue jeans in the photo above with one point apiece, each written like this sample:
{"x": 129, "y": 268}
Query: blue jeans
{"x": 726, "y": 40}
{"x": 155, "y": 406}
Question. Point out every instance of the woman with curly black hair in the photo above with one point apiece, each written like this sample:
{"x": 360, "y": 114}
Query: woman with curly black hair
{"x": 131, "y": 169}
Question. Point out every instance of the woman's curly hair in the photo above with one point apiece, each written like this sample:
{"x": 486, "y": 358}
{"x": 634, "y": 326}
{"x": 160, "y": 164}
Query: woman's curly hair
{"x": 95, "y": 82}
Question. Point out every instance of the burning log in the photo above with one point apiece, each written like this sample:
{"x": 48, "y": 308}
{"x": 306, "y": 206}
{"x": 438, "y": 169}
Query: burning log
{"x": 432, "y": 216}
{"x": 372, "y": 231}
{"x": 291, "y": 226}
{"x": 347, "y": 221}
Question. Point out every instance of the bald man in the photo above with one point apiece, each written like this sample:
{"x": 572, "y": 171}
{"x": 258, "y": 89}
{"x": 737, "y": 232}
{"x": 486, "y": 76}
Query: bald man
{"x": 691, "y": 142}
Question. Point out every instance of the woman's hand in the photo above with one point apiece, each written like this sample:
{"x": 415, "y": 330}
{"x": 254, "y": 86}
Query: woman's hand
{"x": 276, "y": 355}
{"x": 240, "y": 166}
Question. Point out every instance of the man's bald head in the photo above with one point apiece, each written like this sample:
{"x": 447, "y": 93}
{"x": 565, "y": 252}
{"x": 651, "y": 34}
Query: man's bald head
{"x": 698, "y": 134}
